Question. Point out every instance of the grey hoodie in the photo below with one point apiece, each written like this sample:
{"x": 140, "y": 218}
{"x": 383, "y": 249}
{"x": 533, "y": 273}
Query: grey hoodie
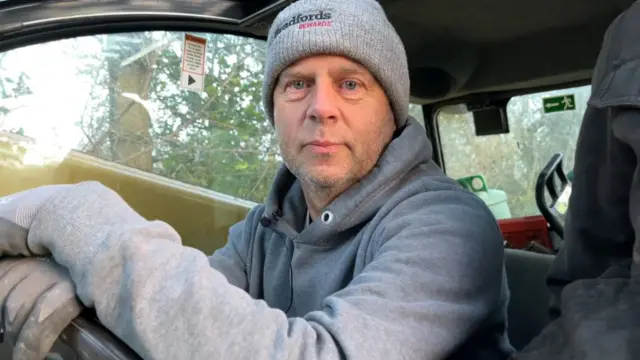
{"x": 405, "y": 265}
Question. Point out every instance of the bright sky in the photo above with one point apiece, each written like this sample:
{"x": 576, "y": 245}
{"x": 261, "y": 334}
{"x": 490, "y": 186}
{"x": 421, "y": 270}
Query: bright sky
{"x": 59, "y": 92}
{"x": 50, "y": 115}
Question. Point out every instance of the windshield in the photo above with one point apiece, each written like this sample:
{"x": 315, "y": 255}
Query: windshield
{"x": 130, "y": 99}
{"x": 540, "y": 125}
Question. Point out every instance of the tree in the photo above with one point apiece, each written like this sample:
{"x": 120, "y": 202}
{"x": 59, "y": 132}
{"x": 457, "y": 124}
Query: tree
{"x": 12, "y": 86}
{"x": 218, "y": 139}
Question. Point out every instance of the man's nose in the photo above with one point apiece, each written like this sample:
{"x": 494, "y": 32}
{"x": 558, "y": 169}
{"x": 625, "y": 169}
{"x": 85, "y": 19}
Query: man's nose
{"x": 323, "y": 102}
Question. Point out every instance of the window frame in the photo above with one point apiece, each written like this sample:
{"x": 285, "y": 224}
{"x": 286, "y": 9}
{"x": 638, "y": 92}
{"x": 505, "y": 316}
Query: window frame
{"x": 506, "y": 96}
{"x": 41, "y": 22}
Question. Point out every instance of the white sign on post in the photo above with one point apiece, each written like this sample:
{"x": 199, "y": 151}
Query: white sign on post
{"x": 194, "y": 52}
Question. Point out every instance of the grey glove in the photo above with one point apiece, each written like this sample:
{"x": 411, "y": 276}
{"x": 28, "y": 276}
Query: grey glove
{"x": 37, "y": 297}
{"x": 17, "y": 212}
{"x": 38, "y": 301}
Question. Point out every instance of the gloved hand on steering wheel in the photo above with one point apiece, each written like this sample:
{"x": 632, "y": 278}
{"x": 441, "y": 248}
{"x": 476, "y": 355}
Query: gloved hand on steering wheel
{"x": 37, "y": 296}
{"x": 85, "y": 228}
{"x": 17, "y": 212}
{"x": 38, "y": 302}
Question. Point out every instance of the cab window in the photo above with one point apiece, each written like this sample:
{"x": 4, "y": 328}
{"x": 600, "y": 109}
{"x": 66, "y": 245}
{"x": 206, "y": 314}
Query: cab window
{"x": 121, "y": 97}
{"x": 125, "y": 98}
{"x": 512, "y": 162}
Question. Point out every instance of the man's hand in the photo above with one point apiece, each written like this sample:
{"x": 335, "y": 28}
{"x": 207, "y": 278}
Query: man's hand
{"x": 79, "y": 225}
{"x": 17, "y": 212}
{"x": 38, "y": 301}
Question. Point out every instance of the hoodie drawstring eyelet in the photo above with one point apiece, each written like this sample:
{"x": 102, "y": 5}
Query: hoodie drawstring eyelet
{"x": 327, "y": 217}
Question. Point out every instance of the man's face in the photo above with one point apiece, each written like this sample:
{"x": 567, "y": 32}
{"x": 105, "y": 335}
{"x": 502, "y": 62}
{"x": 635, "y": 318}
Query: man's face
{"x": 332, "y": 119}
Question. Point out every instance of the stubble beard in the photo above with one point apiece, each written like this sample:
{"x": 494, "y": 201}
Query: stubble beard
{"x": 323, "y": 186}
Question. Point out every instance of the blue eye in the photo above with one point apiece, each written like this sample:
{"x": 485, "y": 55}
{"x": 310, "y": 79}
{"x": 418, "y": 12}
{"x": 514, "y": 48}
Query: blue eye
{"x": 350, "y": 85}
{"x": 298, "y": 84}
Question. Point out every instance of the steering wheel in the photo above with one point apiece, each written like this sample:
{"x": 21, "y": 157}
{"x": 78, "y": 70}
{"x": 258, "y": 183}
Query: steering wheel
{"x": 86, "y": 339}
{"x": 553, "y": 182}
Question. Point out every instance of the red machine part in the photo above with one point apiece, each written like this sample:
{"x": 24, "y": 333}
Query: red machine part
{"x": 520, "y": 232}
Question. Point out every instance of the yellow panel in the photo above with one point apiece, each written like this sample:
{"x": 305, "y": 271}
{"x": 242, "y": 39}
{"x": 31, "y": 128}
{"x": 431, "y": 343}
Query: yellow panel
{"x": 201, "y": 217}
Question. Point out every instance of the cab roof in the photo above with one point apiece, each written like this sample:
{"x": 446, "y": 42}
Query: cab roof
{"x": 458, "y": 47}
{"x": 455, "y": 47}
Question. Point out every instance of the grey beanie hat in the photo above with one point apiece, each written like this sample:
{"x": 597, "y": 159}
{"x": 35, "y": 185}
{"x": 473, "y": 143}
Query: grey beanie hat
{"x": 356, "y": 29}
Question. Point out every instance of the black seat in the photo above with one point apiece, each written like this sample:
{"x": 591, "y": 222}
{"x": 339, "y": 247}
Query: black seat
{"x": 528, "y": 311}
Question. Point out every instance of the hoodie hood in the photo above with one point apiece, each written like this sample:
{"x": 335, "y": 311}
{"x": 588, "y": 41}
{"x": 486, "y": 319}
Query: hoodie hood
{"x": 285, "y": 208}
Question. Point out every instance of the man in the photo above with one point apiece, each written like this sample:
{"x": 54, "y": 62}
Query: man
{"x": 363, "y": 250}
{"x": 594, "y": 280}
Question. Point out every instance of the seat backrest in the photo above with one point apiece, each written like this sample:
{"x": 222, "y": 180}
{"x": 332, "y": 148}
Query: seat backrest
{"x": 528, "y": 311}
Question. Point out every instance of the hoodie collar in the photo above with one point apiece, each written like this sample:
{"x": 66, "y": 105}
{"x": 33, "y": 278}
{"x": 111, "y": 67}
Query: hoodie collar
{"x": 286, "y": 209}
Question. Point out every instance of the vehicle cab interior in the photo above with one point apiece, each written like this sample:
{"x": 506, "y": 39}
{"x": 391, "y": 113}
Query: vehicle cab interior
{"x": 98, "y": 90}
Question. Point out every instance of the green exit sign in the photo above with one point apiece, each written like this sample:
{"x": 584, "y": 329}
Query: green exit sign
{"x": 559, "y": 103}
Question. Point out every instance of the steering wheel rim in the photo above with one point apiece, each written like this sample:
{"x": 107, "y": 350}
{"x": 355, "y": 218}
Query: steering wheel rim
{"x": 90, "y": 340}
{"x": 547, "y": 182}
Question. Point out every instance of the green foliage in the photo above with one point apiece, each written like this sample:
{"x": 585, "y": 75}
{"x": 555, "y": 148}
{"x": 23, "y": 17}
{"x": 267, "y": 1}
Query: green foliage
{"x": 138, "y": 115}
{"x": 12, "y": 87}
{"x": 218, "y": 139}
